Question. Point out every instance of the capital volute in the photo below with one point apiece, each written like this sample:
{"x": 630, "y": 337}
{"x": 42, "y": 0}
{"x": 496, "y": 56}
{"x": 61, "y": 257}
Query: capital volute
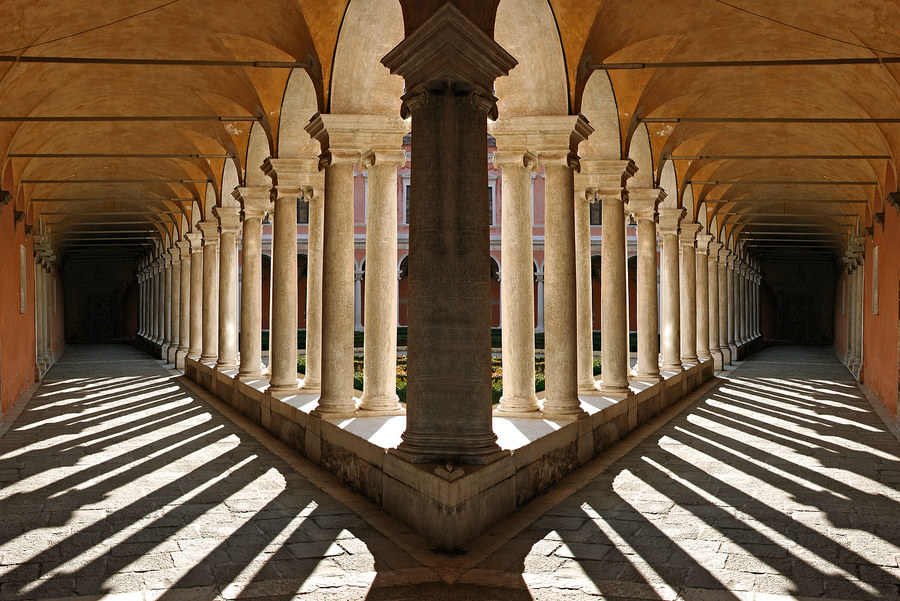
{"x": 516, "y": 158}
{"x": 393, "y": 158}
{"x": 670, "y": 220}
{"x": 292, "y": 178}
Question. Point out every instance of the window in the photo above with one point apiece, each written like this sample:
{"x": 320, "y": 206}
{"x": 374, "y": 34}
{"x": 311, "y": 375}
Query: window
{"x": 491, "y": 203}
{"x": 405, "y": 202}
{"x": 596, "y": 212}
{"x": 302, "y": 211}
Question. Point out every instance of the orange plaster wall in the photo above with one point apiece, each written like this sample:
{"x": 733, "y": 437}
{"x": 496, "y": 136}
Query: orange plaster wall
{"x": 17, "y": 337}
{"x": 880, "y": 335}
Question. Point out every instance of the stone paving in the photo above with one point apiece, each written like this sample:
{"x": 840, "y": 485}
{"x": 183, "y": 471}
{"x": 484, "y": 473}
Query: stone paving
{"x": 120, "y": 479}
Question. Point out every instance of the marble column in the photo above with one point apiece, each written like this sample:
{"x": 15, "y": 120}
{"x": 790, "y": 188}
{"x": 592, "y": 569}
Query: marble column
{"x": 741, "y": 306}
{"x": 688, "y": 281}
{"x": 210, "y": 231}
{"x": 539, "y": 303}
{"x": 254, "y": 204}
{"x": 642, "y": 204}
{"x": 314, "y": 194}
{"x": 670, "y": 298}
{"x": 159, "y": 318}
{"x": 560, "y": 160}
{"x": 613, "y": 279}
{"x": 340, "y": 141}
{"x": 358, "y": 276}
{"x": 714, "y": 349}
{"x": 175, "y": 299}
{"x": 166, "y": 307}
{"x": 195, "y": 339}
{"x": 517, "y": 283}
{"x": 724, "y": 253}
{"x": 704, "y": 351}
{"x": 730, "y": 295}
{"x": 585, "y": 195}
{"x": 380, "y": 367}
{"x": 140, "y": 282}
{"x": 449, "y": 66}
{"x": 229, "y": 218}
{"x": 184, "y": 312}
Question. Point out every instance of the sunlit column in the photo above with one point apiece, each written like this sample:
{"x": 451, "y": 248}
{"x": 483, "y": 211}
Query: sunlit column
{"x": 254, "y": 204}
{"x": 160, "y": 320}
{"x": 286, "y": 179}
{"x": 539, "y": 280}
{"x": 166, "y": 308}
{"x": 380, "y": 352}
{"x": 449, "y": 66}
{"x": 210, "y": 231}
{"x": 613, "y": 279}
{"x": 741, "y": 275}
{"x": 642, "y": 204}
{"x": 688, "y": 290}
{"x": 517, "y": 283}
{"x": 714, "y": 349}
{"x": 670, "y": 298}
{"x": 175, "y": 300}
{"x": 338, "y": 136}
{"x": 560, "y": 161}
{"x": 195, "y": 340}
{"x": 730, "y": 305}
{"x": 314, "y": 194}
{"x": 585, "y": 195}
{"x": 184, "y": 312}
{"x": 229, "y": 224}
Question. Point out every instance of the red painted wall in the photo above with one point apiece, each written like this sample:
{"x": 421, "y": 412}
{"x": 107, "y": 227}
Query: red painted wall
{"x": 880, "y": 336}
{"x": 17, "y": 337}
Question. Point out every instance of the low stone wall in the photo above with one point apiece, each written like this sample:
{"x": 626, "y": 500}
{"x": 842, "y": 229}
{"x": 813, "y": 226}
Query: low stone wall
{"x": 448, "y": 505}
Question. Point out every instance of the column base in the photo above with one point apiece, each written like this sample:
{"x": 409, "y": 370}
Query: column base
{"x": 671, "y": 367}
{"x": 310, "y": 387}
{"x": 227, "y": 366}
{"x": 170, "y": 354}
{"x": 588, "y": 389}
{"x": 335, "y": 412}
{"x": 726, "y": 355}
{"x": 517, "y": 407}
{"x": 384, "y": 405}
{"x": 284, "y": 389}
{"x": 250, "y": 376}
{"x": 693, "y": 360}
{"x": 446, "y": 448}
{"x": 529, "y": 413}
{"x": 718, "y": 359}
{"x": 734, "y": 352}
{"x": 616, "y": 392}
{"x": 208, "y": 358}
{"x": 567, "y": 413}
{"x": 180, "y": 356}
{"x": 651, "y": 377}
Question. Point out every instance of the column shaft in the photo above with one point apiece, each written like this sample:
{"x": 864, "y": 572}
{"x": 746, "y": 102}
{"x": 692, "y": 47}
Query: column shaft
{"x": 670, "y": 301}
{"x": 229, "y": 222}
{"x": 184, "y": 313}
{"x": 195, "y": 340}
{"x": 175, "y": 305}
{"x": 517, "y": 283}
{"x": 254, "y": 203}
{"x": 283, "y": 331}
{"x": 167, "y": 303}
{"x": 688, "y": 290}
{"x": 312, "y": 378}
{"x": 723, "y": 306}
{"x": 703, "y": 312}
{"x": 583, "y": 293}
{"x": 380, "y": 352}
{"x": 730, "y": 297}
{"x": 210, "y": 290}
{"x": 642, "y": 203}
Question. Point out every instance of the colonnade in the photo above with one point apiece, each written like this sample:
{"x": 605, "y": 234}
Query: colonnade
{"x": 709, "y": 294}
{"x": 854, "y": 263}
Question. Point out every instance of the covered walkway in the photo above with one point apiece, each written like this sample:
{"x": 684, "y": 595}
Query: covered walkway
{"x": 119, "y": 477}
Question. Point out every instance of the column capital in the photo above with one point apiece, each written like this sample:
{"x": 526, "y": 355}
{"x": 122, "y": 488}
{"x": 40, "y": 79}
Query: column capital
{"x": 688, "y": 235}
{"x": 229, "y": 219}
{"x": 608, "y": 177}
{"x": 210, "y": 231}
{"x": 552, "y": 138}
{"x": 703, "y": 243}
{"x": 254, "y": 201}
{"x": 732, "y": 259}
{"x": 448, "y": 47}
{"x": 642, "y": 203}
{"x": 360, "y": 140}
{"x": 185, "y": 247}
{"x": 174, "y": 254}
{"x": 195, "y": 239}
{"x": 516, "y": 158}
{"x": 295, "y": 177}
{"x": 670, "y": 220}
{"x": 724, "y": 254}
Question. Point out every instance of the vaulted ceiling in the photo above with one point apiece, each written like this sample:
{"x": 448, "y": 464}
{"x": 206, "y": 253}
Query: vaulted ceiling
{"x": 780, "y": 118}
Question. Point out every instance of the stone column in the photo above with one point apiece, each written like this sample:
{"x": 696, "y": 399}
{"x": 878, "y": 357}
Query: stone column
{"x": 166, "y": 307}
{"x": 175, "y": 296}
{"x": 713, "y": 304}
{"x": 39, "y": 354}
{"x": 688, "y": 280}
{"x": 585, "y": 195}
{"x": 210, "y": 231}
{"x": 730, "y": 295}
{"x": 703, "y": 316}
{"x": 195, "y": 340}
{"x": 449, "y": 66}
{"x": 314, "y": 194}
{"x": 140, "y": 283}
{"x": 670, "y": 299}
{"x": 184, "y": 312}
{"x": 742, "y": 301}
{"x": 229, "y": 218}
{"x": 613, "y": 279}
{"x": 358, "y": 276}
{"x": 517, "y": 283}
{"x": 159, "y": 319}
{"x": 539, "y": 280}
{"x": 254, "y": 204}
{"x": 724, "y": 253}
{"x": 561, "y": 138}
{"x": 380, "y": 352}
{"x": 339, "y": 136}
{"x": 642, "y": 204}
{"x": 286, "y": 178}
